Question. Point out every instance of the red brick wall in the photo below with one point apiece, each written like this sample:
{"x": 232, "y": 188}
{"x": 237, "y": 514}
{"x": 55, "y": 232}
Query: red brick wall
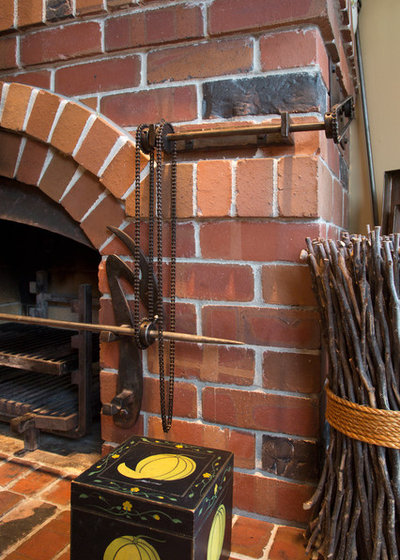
{"x": 242, "y": 215}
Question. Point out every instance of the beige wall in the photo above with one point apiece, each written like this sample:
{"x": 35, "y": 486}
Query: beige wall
{"x": 379, "y": 22}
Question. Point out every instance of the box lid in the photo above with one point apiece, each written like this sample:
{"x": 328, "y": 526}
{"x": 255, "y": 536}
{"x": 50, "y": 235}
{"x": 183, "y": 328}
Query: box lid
{"x": 155, "y": 482}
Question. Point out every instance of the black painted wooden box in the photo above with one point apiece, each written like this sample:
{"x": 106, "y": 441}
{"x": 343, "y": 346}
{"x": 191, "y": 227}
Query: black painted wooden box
{"x": 154, "y": 500}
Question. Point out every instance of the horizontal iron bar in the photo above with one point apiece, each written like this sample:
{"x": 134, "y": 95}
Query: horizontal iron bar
{"x": 123, "y": 331}
{"x": 186, "y": 337}
{"x": 244, "y": 131}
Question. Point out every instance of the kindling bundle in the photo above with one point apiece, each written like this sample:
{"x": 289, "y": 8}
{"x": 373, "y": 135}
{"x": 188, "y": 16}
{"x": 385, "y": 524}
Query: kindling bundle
{"x": 357, "y": 503}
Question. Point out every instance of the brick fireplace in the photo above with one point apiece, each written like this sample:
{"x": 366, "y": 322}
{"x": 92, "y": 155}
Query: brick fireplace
{"x": 78, "y": 76}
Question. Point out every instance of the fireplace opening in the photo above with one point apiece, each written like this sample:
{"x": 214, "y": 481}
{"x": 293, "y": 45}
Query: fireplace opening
{"x": 49, "y": 377}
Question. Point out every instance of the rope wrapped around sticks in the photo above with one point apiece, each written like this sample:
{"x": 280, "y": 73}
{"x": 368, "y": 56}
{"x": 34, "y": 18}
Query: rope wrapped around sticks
{"x": 355, "y": 510}
{"x": 364, "y": 423}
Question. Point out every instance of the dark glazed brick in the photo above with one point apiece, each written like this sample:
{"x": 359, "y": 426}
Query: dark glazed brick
{"x": 296, "y": 92}
{"x": 58, "y": 9}
{"x": 290, "y": 457}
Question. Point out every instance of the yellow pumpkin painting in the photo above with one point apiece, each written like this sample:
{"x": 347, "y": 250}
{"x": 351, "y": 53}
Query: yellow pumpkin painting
{"x": 217, "y": 534}
{"x": 130, "y": 548}
{"x": 164, "y": 466}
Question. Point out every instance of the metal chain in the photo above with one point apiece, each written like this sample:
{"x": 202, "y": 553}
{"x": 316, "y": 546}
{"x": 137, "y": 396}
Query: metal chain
{"x": 160, "y": 310}
{"x": 172, "y": 282}
{"x": 166, "y": 415}
{"x": 151, "y": 303}
{"x": 137, "y": 275}
{"x": 156, "y": 215}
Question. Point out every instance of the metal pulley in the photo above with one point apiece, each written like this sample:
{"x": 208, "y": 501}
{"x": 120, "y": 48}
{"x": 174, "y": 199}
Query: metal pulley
{"x": 338, "y": 120}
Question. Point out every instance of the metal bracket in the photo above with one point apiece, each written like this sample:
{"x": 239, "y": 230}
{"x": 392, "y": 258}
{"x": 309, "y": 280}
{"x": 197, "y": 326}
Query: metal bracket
{"x": 338, "y": 120}
{"x": 125, "y": 406}
{"x": 26, "y": 425}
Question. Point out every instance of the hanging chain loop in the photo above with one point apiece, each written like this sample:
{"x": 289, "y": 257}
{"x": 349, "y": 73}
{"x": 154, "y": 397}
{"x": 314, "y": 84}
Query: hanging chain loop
{"x": 156, "y": 222}
{"x": 137, "y": 272}
{"x": 166, "y": 407}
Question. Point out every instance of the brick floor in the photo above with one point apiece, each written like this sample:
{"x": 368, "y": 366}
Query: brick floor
{"x": 35, "y": 519}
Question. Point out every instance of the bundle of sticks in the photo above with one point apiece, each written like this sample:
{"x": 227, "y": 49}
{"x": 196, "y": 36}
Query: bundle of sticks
{"x": 356, "y": 505}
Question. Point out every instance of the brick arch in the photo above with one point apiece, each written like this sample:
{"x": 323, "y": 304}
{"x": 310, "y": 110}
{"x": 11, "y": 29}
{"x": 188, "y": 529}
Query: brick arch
{"x": 74, "y": 155}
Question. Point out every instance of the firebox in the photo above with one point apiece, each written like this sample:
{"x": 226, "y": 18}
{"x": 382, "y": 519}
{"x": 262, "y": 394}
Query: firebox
{"x": 48, "y": 377}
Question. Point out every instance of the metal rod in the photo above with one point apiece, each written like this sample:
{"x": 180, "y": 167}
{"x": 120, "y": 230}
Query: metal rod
{"x": 374, "y": 200}
{"x": 125, "y": 331}
{"x": 184, "y": 337}
{"x": 244, "y": 131}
